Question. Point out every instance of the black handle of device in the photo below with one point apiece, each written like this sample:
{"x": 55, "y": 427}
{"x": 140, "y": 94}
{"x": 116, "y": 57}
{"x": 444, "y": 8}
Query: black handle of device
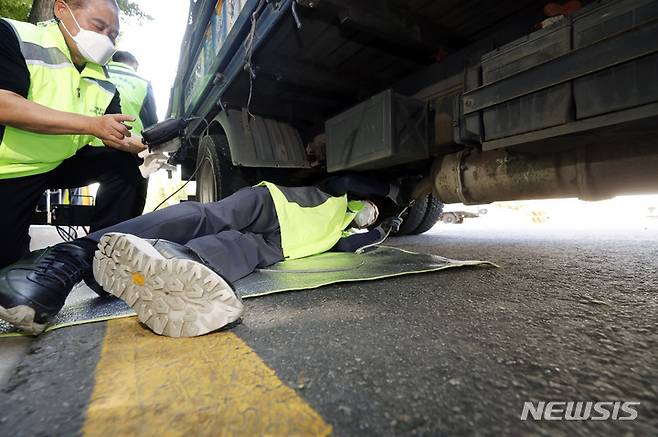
{"x": 164, "y": 131}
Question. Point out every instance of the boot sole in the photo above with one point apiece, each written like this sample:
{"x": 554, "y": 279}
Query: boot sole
{"x": 22, "y": 317}
{"x": 173, "y": 297}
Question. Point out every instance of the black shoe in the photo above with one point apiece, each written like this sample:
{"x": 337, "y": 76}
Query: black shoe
{"x": 34, "y": 289}
{"x": 168, "y": 285}
{"x": 90, "y": 282}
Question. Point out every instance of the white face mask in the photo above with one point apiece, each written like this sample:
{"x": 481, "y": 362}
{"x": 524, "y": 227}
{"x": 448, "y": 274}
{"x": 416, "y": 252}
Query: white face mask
{"x": 95, "y": 47}
{"x": 367, "y": 216}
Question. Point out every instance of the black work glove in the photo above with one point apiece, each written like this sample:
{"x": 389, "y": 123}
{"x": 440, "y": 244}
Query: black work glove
{"x": 391, "y": 224}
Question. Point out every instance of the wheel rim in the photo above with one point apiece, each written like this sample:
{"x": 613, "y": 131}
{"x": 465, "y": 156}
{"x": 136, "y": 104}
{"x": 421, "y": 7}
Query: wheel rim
{"x": 207, "y": 183}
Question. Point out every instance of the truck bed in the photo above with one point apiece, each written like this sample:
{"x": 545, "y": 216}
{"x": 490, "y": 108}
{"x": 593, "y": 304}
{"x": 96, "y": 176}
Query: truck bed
{"x": 481, "y": 100}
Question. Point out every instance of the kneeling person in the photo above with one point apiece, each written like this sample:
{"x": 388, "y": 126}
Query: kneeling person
{"x": 55, "y": 102}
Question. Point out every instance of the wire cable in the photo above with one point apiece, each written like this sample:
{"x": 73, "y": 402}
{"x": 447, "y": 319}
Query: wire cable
{"x": 68, "y": 233}
{"x": 248, "y": 66}
{"x": 388, "y": 233}
{"x": 179, "y": 190}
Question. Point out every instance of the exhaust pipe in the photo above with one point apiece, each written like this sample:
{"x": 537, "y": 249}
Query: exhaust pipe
{"x": 588, "y": 173}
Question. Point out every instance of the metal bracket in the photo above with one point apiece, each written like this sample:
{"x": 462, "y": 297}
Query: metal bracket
{"x": 459, "y": 174}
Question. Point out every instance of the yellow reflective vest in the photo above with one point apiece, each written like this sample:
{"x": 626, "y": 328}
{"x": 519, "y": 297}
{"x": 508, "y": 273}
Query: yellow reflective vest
{"x": 311, "y": 221}
{"x": 133, "y": 90}
{"x": 56, "y": 83}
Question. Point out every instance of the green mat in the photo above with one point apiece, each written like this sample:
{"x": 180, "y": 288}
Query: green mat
{"x": 84, "y": 306}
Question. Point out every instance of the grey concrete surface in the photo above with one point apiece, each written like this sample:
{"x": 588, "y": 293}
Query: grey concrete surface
{"x": 48, "y": 392}
{"x": 12, "y": 351}
{"x": 570, "y": 315}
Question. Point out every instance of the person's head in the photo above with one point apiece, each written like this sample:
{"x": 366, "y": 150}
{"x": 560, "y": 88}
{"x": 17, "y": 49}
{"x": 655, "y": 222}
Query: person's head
{"x": 126, "y": 58}
{"x": 90, "y": 28}
{"x": 366, "y": 216}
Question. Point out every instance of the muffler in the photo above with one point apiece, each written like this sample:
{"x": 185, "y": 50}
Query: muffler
{"x": 587, "y": 173}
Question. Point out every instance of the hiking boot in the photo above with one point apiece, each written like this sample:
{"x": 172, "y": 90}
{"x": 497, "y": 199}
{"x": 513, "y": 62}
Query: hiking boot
{"x": 34, "y": 289}
{"x": 94, "y": 286}
{"x": 170, "y": 250}
{"x": 169, "y": 286}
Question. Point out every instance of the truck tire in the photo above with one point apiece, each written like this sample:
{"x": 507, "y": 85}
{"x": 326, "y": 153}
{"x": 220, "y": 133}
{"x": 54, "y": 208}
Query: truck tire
{"x": 432, "y": 215}
{"x": 216, "y": 178}
{"x": 422, "y": 216}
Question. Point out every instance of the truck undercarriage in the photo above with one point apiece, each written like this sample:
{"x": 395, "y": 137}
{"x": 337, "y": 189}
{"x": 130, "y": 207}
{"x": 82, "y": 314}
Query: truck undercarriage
{"x": 479, "y": 101}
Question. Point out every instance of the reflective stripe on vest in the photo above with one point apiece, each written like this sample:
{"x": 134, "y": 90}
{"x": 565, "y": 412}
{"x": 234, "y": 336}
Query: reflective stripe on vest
{"x": 57, "y": 84}
{"x": 50, "y": 57}
{"x": 133, "y": 90}
{"x": 311, "y": 221}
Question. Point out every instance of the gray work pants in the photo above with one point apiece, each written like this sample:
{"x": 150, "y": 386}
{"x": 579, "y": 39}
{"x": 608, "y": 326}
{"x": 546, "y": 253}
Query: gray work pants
{"x": 234, "y": 236}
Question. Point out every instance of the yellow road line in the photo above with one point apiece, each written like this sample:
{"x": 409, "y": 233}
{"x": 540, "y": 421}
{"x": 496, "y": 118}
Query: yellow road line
{"x": 212, "y": 385}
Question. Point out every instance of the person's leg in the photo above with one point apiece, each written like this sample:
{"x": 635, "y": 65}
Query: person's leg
{"x": 122, "y": 191}
{"x": 19, "y": 199}
{"x": 234, "y": 254}
{"x": 250, "y": 209}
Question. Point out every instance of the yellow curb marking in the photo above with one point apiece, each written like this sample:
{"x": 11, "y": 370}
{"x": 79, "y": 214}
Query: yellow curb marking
{"x": 212, "y": 385}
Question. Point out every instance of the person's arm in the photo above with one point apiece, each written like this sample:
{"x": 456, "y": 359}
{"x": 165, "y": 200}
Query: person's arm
{"x": 358, "y": 241}
{"x": 14, "y": 75}
{"x": 374, "y": 236}
{"x": 18, "y": 112}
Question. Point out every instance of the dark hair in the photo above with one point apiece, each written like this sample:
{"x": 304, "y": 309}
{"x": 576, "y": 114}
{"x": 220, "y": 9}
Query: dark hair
{"x": 124, "y": 57}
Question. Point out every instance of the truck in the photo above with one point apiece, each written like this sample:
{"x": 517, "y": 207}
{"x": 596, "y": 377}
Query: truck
{"x": 469, "y": 101}
{"x": 457, "y": 217}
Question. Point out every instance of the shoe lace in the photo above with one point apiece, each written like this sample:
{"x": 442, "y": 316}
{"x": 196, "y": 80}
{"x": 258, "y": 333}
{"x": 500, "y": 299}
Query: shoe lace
{"x": 60, "y": 266}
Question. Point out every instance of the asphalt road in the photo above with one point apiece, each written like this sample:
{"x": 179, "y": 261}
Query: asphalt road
{"x": 570, "y": 315}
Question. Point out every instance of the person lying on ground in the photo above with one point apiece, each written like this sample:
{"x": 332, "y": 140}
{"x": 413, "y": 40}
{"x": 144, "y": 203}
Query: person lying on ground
{"x": 175, "y": 266}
